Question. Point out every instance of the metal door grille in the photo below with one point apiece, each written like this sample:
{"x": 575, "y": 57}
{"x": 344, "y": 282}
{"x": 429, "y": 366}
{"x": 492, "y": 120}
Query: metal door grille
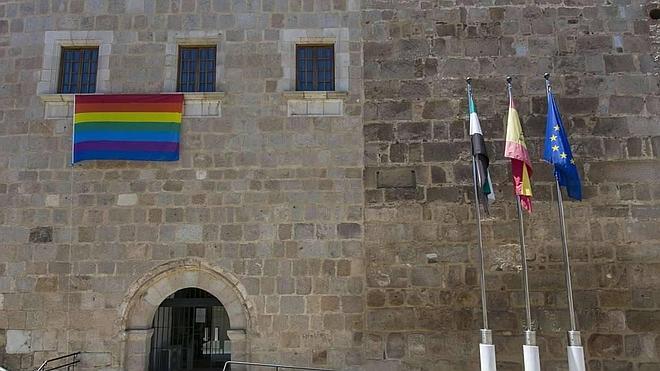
{"x": 190, "y": 333}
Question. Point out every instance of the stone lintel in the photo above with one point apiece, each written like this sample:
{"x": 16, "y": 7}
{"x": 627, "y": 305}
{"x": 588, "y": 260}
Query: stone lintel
{"x": 311, "y": 95}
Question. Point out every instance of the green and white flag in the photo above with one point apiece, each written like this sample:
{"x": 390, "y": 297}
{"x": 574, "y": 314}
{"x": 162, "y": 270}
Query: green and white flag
{"x": 480, "y": 155}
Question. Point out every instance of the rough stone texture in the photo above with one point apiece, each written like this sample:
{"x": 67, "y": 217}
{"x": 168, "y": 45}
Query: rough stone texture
{"x": 276, "y": 201}
{"x": 352, "y": 236}
{"x": 41, "y": 234}
{"x": 424, "y": 313}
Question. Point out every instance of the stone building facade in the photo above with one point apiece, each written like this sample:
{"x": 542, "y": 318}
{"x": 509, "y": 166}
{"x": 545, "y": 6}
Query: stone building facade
{"x": 336, "y": 228}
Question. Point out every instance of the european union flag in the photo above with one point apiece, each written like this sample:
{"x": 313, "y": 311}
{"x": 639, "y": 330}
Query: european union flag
{"x": 557, "y": 151}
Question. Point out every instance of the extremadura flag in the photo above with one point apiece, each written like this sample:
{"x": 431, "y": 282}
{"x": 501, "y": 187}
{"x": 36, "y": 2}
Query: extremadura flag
{"x": 480, "y": 155}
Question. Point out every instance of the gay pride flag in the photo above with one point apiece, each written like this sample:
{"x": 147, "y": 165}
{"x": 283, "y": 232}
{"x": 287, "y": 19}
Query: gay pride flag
{"x": 521, "y": 165}
{"x": 127, "y": 127}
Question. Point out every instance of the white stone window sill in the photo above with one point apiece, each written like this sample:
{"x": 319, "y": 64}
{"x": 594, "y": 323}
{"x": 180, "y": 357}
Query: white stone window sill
{"x": 203, "y": 104}
{"x": 60, "y": 106}
{"x": 215, "y": 95}
{"x": 315, "y": 103}
{"x": 58, "y": 98}
{"x": 315, "y": 94}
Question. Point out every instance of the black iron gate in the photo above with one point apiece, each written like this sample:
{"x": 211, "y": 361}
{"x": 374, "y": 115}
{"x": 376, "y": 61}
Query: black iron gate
{"x": 190, "y": 333}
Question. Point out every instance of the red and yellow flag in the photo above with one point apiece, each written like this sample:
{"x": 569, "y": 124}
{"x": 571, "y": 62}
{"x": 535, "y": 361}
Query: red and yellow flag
{"x": 516, "y": 150}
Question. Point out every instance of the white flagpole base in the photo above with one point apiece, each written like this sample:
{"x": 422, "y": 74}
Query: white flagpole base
{"x": 487, "y": 355}
{"x": 575, "y": 358}
{"x": 531, "y": 358}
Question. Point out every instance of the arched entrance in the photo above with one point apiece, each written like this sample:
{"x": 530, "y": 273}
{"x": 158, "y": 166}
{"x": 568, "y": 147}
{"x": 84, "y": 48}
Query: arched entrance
{"x": 145, "y": 296}
{"x": 190, "y": 333}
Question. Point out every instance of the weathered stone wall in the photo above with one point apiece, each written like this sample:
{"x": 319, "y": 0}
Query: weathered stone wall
{"x": 274, "y": 200}
{"x": 423, "y": 312}
{"x": 329, "y": 225}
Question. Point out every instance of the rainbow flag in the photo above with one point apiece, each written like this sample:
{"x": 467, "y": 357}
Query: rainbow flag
{"x": 521, "y": 165}
{"x": 127, "y": 127}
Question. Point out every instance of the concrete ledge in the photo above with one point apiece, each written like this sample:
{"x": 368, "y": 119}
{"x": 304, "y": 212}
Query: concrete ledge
{"x": 60, "y": 106}
{"x": 215, "y": 95}
{"x": 59, "y": 98}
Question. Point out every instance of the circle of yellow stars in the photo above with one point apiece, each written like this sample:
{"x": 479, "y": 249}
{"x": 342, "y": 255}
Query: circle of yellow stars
{"x": 556, "y": 147}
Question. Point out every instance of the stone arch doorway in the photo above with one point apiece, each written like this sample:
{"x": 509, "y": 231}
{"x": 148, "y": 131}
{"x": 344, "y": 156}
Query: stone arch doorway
{"x": 190, "y": 333}
{"x": 138, "y": 310}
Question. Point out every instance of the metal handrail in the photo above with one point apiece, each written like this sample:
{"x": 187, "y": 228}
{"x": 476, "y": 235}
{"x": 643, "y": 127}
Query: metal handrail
{"x": 276, "y": 366}
{"x": 69, "y": 365}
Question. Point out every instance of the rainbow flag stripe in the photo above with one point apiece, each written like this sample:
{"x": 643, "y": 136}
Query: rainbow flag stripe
{"x": 127, "y": 127}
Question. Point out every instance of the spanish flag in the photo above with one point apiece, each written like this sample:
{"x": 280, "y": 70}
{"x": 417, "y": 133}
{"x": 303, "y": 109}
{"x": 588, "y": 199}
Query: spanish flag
{"x": 516, "y": 150}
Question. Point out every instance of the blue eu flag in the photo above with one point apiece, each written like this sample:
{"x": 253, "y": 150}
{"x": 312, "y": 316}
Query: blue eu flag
{"x": 557, "y": 151}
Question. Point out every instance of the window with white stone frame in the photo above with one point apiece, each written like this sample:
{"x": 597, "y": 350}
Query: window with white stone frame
{"x": 200, "y": 82}
{"x": 57, "y": 93}
{"x": 55, "y": 42}
{"x": 324, "y": 74}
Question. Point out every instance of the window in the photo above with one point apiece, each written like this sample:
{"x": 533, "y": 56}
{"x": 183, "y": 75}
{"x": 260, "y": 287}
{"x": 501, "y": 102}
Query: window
{"x": 78, "y": 70}
{"x": 654, "y": 13}
{"x": 315, "y": 67}
{"x": 196, "y": 69}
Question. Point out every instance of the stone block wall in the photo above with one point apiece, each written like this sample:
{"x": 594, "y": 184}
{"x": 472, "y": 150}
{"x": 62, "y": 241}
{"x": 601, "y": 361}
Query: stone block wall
{"x": 274, "y": 201}
{"x": 423, "y": 308}
{"x": 345, "y": 220}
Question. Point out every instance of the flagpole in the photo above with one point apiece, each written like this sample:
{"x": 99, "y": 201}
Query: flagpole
{"x": 575, "y": 351}
{"x": 73, "y": 130}
{"x": 530, "y": 349}
{"x": 530, "y": 335}
{"x": 481, "y": 257}
{"x": 486, "y": 347}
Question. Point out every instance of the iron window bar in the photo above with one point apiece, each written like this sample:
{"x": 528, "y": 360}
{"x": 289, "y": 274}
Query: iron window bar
{"x": 196, "y": 69}
{"x": 70, "y": 365}
{"x": 78, "y": 70}
{"x": 277, "y": 367}
{"x": 315, "y": 67}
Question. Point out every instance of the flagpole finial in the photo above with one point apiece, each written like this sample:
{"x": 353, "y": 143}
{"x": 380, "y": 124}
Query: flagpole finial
{"x": 546, "y": 76}
{"x": 508, "y": 79}
{"x": 468, "y": 80}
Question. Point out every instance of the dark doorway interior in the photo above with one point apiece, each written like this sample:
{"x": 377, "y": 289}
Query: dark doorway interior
{"x": 190, "y": 333}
